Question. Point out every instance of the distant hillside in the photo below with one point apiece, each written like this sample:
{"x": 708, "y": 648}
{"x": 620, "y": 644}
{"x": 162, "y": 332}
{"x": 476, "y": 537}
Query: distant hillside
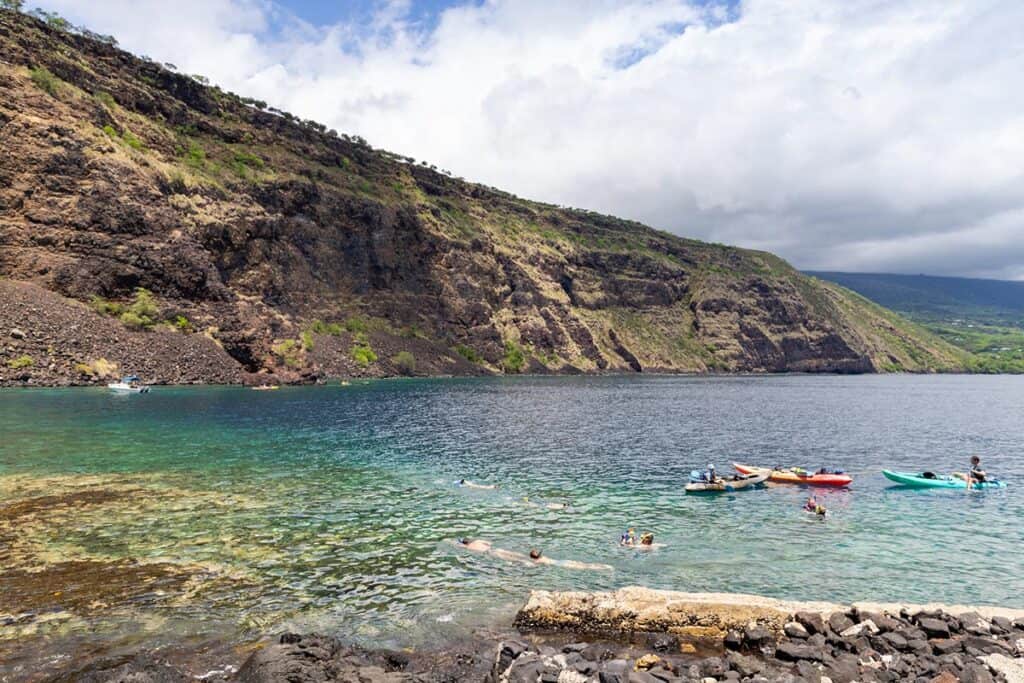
{"x": 151, "y": 222}
{"x": 985, "y": 317}
{"x": 942, "y": 298}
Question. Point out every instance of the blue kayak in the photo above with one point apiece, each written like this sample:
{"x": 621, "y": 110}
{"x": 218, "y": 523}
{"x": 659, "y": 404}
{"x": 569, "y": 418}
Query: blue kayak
{"x": 939, "y": 481}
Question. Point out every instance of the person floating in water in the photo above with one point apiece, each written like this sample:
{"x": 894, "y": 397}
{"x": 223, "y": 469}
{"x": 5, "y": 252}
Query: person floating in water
{"x": 466, "y": 483}
{"x": 812, "y": 505}
{"x": 535, "y": 556}
{"x": 538, "y": 558}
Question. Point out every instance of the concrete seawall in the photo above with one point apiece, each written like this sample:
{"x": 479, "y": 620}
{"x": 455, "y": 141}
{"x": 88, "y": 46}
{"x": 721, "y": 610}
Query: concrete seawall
{"x": 636, "y": 609}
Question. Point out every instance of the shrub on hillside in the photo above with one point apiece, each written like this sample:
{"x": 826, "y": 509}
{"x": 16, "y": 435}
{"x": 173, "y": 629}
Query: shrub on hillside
{"x": 142, "y": 313}
{"x": 405, "y": 362}
{"x": 356, "y": 325}
{"x": 515, "y": 358}
{"x": 307, "y": 340}
{"x": 46, "y": 81}
{"x": 363, "y": 355}
{"x": 468, "y": 353}
{"x": 21, "y": 362}
{"x": 105, "y": 306}
{"x": 288, "y": 352}
{"x": 104, "y": 98}
{"x": 320, "y": 327}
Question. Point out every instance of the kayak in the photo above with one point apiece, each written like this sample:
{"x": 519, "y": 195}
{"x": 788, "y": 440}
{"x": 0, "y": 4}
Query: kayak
{"x": 721, "y": 484}
{"x": 940, "y": 481}
{"x": 797, "y": 476}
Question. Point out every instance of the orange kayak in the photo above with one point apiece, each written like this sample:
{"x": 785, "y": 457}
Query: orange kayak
{"x": 797, "y": 476}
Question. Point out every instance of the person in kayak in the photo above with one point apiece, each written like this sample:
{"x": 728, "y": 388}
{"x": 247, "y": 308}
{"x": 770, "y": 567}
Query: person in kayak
{"x": 628, "y": 538}
{"x": 710, "y": 474}
{"x": 977, "y": 475}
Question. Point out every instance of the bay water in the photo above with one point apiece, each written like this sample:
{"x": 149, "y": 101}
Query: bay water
{"x": 335, "y": 508}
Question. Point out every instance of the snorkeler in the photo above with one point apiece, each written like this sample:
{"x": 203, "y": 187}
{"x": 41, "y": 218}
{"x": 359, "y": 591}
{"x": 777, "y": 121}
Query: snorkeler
{"x": 466, "y": 483}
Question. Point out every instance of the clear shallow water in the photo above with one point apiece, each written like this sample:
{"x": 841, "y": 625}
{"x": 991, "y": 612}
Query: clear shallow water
{"x": 335, "y": 508}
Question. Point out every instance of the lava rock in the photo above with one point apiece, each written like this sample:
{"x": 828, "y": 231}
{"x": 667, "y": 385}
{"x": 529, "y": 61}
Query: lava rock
{"x": 744, "y": 664}
{"x": 839, "y": 622}
{"x": 793, "y": 652}
{"x": 811, "y": 621}
{"x": 733, "y": 640}
{"x": 755, "y": 636}
{"x": 895, "y": 640}
{"x": 794, "y": 629}
{"x": 945, "y": 646}
{"x": 935, "y": 628}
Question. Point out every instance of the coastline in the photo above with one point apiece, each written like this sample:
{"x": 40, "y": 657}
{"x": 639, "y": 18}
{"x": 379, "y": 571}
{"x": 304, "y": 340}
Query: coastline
{"x": 258, "y": 380}
{"x": 637, "y": 635}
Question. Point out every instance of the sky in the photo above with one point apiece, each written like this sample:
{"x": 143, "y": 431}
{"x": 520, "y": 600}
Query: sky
{"x": 858, "y": 135}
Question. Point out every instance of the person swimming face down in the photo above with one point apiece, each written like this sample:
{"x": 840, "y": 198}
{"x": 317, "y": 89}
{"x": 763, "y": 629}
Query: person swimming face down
{"x": 535, "y": 554}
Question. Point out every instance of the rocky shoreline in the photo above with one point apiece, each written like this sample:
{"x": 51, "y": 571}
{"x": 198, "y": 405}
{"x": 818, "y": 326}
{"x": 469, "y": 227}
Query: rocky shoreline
{"x": 638, "y": 635}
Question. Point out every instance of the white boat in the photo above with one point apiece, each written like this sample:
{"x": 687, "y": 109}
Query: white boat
{"x": 129, "y": 384}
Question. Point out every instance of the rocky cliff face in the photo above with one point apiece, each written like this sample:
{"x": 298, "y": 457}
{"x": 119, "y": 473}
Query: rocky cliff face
{"x": 284, "y": 249}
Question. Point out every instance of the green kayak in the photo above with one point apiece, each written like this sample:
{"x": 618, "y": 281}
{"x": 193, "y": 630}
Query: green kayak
{"x": 939, "y": 481}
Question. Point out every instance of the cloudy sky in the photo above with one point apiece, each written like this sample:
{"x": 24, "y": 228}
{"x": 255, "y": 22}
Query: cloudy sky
{"x": 863, "y": 135}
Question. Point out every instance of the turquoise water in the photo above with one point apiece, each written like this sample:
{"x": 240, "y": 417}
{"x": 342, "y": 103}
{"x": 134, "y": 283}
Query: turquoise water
{"x": 335, "y": 507}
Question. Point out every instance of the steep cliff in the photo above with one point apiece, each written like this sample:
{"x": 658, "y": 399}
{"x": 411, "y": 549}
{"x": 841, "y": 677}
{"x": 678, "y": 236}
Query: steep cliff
{"x": 274, "y": 246}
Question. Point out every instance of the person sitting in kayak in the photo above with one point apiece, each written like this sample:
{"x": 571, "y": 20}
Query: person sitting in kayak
{"x": 710, "y": 474}
{"x": 628, "y": 538}
{"x": 977, "y": 475}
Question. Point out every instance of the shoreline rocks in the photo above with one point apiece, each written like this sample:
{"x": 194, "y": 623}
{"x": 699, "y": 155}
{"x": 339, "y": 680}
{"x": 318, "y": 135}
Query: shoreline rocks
{"x": 780, "y": 641}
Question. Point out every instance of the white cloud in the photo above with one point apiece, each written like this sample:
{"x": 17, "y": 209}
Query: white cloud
{"x": 847, "y": 134}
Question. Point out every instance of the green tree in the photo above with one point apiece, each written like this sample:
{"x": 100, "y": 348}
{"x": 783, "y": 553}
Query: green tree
{"x": 14, "y": 5}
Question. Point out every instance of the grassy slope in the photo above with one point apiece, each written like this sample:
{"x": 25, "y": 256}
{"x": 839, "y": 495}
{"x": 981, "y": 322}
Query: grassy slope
{"x": 984, "y": 318}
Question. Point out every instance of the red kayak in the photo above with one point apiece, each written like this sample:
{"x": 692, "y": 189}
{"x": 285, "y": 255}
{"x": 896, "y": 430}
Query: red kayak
{"x": 795, "y": 475}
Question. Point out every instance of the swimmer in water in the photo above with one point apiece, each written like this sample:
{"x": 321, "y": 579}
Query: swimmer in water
{"x": 538, "y": 558}
{"x": 535, "y": 556}
{"x": 473, "y": 485}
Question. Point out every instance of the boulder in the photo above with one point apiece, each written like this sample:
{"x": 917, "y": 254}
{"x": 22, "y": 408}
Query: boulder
{"x": 812, "y": 621}
{"x": 1001, "y": 625}
{"x": 713, "y": 666}
{"x": 756, "y": 636}
{"x": 935, "y": 628}
{"x": 973, "y": 623}
{"x": 866, "y": 626}
{"x": 794, "y": 652}
{"x": 294, "y": 658}
{"x": 795, "y": 629}
{"x": 976, "y": 673}
{"x": 945, "y": 646}
{"x": 744, "y": 665}
{"x": 945, "y": 677}
{"x": 839, "y": 622}
{"x": 985, "y": 645}
{"x": 17, "y": 334}
{"x": 733, "y": 640}
{"x": 895, "y": 640}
